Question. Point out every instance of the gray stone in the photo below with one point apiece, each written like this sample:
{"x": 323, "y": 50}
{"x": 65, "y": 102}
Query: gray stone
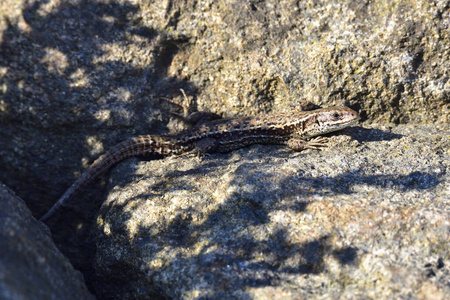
{"x": 31, "y": 267}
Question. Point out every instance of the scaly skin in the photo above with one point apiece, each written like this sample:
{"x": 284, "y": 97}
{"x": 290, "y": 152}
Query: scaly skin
{"x": 292, "y": 129}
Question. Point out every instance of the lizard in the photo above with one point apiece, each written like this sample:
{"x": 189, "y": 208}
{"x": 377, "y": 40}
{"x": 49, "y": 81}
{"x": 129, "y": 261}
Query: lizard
{"x": 295, "y": 129}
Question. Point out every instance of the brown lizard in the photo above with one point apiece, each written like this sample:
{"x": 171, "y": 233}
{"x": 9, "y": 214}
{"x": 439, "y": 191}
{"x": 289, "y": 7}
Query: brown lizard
{"x": 293, "y": 129}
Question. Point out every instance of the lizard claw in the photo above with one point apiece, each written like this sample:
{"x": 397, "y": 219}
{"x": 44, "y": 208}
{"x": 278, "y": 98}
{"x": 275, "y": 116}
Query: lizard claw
{"x": 317, "y": 143}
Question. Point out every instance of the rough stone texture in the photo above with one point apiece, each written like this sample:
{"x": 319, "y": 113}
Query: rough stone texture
{"x": 365, "y": 219}
{"x": 31, "y": 267}
{"x": 78, "y": 76}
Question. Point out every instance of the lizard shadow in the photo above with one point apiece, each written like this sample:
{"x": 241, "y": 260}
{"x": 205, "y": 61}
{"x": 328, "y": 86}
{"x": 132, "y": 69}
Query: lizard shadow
{"x": 373, "y": 135}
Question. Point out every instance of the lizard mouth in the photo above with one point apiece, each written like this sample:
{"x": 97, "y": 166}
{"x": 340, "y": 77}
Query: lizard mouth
{"x": 344, "y": 125}
{"x": 336, "y": 127}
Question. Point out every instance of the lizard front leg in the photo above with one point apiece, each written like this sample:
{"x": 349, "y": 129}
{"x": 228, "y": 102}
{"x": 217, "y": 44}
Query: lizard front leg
{"x": 298, "y": 144}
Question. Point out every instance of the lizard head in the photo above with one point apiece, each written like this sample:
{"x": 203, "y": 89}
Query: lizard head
{"x": 331, "y": 119}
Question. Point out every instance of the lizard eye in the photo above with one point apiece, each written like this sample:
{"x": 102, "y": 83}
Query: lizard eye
{"x": 336, "y": 116}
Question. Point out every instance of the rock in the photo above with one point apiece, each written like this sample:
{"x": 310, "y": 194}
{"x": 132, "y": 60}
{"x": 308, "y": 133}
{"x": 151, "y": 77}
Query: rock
{"x": 366, "y": 218}
{"x": 31, "y": 267}
{"x": 77, "y": 77}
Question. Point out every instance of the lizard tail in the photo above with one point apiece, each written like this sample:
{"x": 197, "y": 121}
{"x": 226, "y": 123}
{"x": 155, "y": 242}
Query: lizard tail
{"x": 139, "y": 145}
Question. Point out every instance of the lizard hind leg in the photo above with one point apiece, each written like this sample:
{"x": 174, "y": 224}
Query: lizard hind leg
{"x": 202, "y": 148}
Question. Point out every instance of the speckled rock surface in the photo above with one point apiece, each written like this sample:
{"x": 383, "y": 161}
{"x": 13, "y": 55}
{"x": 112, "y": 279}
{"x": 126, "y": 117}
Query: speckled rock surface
{"x": 368, "y": 219}
{"x": 31, "y": 267}
{"x": 78, "y": 76}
